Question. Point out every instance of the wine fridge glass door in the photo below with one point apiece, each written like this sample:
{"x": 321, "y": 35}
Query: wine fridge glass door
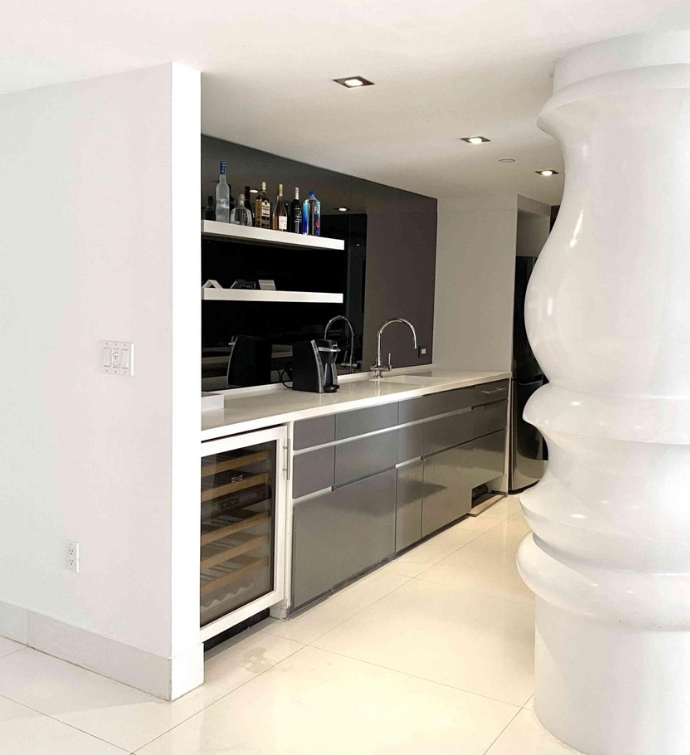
{"x": 242, "y": 527}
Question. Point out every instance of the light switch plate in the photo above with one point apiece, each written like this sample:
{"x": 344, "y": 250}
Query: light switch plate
{"x": 117, "y": 357}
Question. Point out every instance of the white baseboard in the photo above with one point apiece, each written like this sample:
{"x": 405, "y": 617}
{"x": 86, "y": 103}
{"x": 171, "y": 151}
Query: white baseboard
{"x": 168, "y": 678}
{"x": 14, "y": 623}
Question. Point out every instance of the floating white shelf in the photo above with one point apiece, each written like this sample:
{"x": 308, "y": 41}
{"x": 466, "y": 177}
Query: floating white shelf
{"x": 242, "y": 294}
{"x": 249, "y": 234}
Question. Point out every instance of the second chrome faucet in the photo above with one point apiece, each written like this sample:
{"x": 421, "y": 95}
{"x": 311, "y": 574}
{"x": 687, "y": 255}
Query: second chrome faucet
{"x": 378, "y": 368}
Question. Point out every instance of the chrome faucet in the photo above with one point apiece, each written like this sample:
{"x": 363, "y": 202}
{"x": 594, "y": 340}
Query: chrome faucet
{"x": 349, "y": 360}
{"x": 379, "y": 367}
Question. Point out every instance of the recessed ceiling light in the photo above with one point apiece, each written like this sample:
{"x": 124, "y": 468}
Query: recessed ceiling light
{"x": 474, "y": 139}
{"x": 353, "y": 82}
{"x": 342, "y": 209}
{"x": 506, "y": 160}
{"x": 548, "y": 172}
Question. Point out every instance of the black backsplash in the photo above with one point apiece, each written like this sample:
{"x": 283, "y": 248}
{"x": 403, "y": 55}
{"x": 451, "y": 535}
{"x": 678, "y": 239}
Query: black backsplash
{"x": 385, "y": 280}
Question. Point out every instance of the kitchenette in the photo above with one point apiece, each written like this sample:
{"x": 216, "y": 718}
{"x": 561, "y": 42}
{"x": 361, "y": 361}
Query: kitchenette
{"x": 303, "y": 492}
{"x": 333, "y": 438}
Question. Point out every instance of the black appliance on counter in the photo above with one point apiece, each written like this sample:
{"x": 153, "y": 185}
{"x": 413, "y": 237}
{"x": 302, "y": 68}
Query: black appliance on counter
{"x": 528, "y": 451}
{"x": 249, "y": 362}
{"x": 313, "y": 366}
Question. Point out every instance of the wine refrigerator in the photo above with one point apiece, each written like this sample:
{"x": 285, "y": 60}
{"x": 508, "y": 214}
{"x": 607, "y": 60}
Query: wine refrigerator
{"x": 243, "y": 494}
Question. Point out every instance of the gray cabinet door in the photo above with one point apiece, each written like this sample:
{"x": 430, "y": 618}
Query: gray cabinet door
{"x": 313, "y": 547}
{"x": 312, "y": 471}
{"x": 447, "y": 432}
{"x": 362, "y": 421}
{"x": 447, "y": 486}
{"x": 363, "y": 457}
{"x": 489, "y": 392}
{"x": 314, "y": 432}
{"x": 408, "y": 515}
{"x": 488, "y": 457}
{"x": 364, "y": 524}
{"x": 435, "y": 404}
{"x": 410, "y": 442}
{"x": 490, "y": 418}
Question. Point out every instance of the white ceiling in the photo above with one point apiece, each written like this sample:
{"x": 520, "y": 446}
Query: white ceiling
{"x": 443, "y": 69}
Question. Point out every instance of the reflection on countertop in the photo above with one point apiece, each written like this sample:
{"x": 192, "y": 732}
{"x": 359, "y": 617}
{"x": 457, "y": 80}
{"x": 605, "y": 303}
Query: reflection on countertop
{"x": 254, "y": 408}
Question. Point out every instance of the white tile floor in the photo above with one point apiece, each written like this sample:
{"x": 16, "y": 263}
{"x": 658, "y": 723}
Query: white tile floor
{"x": 432, "y": 653}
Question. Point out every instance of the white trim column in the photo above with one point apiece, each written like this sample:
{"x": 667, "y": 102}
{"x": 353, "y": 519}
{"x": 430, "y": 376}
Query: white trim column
{"x": 608, "y": 315}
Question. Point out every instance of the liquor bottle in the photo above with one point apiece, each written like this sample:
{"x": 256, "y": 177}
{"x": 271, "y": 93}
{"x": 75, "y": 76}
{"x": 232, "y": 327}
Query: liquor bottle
{"x": 223, "y": 197}
{"x": 210, "y": 209}
{"x": 280, "y": 212}
{"x": 295, "y": 218}
{"x": 241, "y": 214}
{"x": 311, "y": 215}
{"x": 262, "y": 211}
{"x": 248, "y": 198}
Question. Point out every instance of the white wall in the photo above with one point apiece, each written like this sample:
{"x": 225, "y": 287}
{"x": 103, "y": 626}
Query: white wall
{"x": 99, "y": 237}
{"x": 475, "y": 274}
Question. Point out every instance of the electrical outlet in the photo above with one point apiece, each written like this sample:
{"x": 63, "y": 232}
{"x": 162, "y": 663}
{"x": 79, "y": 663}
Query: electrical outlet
{"x": 73, "y": 556}
{"x": 422, "y": 351}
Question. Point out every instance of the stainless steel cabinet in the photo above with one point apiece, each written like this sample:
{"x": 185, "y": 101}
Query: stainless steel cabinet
{"x": 409, "y": 495}
{"x": 363, "y": 457}
{"x": 446, "y": 432}
{"x": 341, "y": 533}
{"x": 488, "y": 457}
{"x": 365, "y": 524}
{"x": 448, "y": 487}
{"x": 313, "y": 471}
{"x": 313, "y": 563}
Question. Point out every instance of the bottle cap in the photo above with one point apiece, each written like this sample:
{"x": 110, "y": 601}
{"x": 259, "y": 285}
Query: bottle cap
{"x": 280, "y": 190}
{"x": 311, "y": 194}
{"x": 223, "y": 167}
{"x": 263, "y": 186}
{"x": 241, "y": 198}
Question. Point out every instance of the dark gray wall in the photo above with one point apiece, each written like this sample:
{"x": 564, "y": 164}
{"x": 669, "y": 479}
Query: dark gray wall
{"x": 401, "y": 269}
{"x": 400, "y": 239}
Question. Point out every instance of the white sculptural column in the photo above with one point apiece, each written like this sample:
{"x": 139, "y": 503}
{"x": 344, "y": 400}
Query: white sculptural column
{"x": 608, "y": 315}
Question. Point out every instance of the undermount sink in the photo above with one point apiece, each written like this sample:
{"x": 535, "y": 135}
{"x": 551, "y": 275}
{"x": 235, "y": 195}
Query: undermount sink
{"x": 411, "y": 379}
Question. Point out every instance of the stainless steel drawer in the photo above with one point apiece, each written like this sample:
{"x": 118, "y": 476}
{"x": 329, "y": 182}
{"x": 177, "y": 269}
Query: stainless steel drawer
{"x": 447, "y": 432}
{"x": 362, "y": 421}
{"x": 314, "y": 432}
{"x": 490, "y": 392}
{"x": 410, "y": 442}
{"x": 409, "y": 496}
{"x": 312, "y": 471}
{"x": 490, "y": 418}
{"x": 488, "y": 457}
{"x": 435, "y": 404}
{"x": 364, "y": 457}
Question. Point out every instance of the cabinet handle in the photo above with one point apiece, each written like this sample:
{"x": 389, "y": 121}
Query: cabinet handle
{"x": 286, "y": 468}
{"x": 495, "y": 390}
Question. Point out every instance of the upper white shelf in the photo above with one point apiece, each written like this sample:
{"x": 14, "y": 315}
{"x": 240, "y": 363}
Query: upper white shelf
{"x": 249, "y": 234}
{"x": 243, "y": 294}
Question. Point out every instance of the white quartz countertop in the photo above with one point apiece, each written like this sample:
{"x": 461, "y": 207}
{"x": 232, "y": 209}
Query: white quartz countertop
{"x": 246, "y": 409}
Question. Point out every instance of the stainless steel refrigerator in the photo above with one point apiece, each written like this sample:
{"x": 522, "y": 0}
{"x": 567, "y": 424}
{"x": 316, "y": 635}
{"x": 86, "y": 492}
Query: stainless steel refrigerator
{"x": 528, "y": 451}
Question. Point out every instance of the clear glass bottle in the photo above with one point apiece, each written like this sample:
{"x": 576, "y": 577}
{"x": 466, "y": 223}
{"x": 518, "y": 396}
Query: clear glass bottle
{"x": 295, "y": 218}
{"x": 241, "y": 214}
{"x": 311, "y": 215}
{"x": 262, "y": 208}
{"x": 280, "y": 212}
{"x": 223, "y": 196}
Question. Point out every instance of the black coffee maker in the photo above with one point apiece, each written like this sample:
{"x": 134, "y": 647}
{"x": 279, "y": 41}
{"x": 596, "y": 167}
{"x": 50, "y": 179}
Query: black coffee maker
{"x": 313, "y": 366}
